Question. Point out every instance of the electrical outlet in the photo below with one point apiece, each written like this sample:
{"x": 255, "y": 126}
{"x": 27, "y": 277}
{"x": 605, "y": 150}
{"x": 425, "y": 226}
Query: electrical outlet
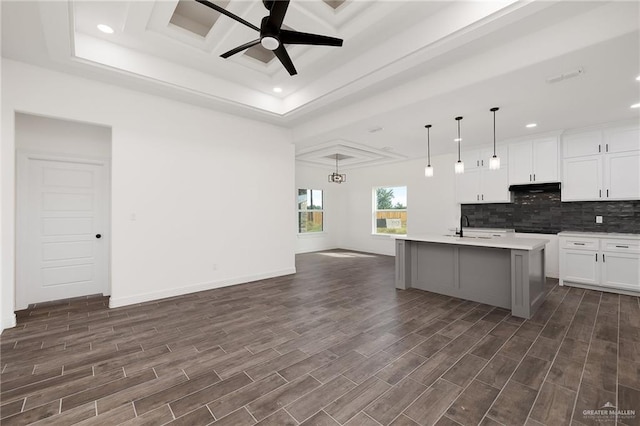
{"x": 598, "y": 219}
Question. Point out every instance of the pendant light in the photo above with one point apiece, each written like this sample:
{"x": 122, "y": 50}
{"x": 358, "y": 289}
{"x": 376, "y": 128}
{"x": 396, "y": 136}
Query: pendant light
{"x": 336, "y": 177}
{"x": 428, "y": 171}
{"x": 494, "y": 162}
{"x": 459, "y": 168}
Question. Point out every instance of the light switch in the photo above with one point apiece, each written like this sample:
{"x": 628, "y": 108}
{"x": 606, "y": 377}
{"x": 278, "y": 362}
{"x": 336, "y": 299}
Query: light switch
{"x": 598, "y": 219}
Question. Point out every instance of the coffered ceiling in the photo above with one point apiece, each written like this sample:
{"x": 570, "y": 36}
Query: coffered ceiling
{"x": 403, "y": 64}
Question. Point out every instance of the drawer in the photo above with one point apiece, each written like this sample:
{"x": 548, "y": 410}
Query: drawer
{"x": 621, "y": 246}
{"x": 580, "y": 243}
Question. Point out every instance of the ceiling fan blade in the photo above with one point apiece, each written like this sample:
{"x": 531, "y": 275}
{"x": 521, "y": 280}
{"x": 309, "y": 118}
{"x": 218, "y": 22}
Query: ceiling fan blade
{"x": 296, "y": 37}
{"x": 240, "y": 48}
{"x": 227, "y": 13}
{"x": 278, "y": 10}
{"x": 281, "y": 53}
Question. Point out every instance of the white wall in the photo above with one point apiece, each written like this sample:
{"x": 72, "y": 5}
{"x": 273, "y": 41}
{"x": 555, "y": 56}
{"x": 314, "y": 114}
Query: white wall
{"x": 210, "y": 210}
{"x": 431, "y": 206}
{"x": 50, "y": 135}
{"x": 308, "y": 177}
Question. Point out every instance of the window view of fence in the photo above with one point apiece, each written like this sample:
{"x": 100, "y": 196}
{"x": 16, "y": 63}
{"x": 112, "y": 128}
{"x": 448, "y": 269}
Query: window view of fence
{"x": 310, "y": 211}
{"x": 390, "y": 210}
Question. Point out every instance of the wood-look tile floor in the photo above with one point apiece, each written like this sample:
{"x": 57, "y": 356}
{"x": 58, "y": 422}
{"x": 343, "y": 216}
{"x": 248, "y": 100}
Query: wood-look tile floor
{"x": 333, "y": 344}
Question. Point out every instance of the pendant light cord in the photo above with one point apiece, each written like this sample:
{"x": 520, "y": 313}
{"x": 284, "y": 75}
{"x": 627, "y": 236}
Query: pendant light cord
{"x": 494, "y": 109}
{"x": 459, "y": 139}
{"x": 428, "y": 126}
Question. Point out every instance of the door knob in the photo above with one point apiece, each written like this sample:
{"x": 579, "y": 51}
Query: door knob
{"x": 98, "y": 236}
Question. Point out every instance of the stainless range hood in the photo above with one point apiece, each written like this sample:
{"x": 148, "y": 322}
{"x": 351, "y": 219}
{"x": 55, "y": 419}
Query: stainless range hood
{"x": 536, "y": 187}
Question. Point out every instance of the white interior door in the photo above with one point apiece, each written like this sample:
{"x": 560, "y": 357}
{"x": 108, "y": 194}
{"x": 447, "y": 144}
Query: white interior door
{"x": 62, "y": 230}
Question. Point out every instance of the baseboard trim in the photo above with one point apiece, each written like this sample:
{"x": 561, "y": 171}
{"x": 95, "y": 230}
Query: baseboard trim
{"x": 8, "y": 321}
{"x": 115, "y": 302}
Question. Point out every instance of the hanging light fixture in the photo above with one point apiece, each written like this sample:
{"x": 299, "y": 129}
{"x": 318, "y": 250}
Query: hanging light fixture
{"x": 428, "y": 171}
{"x": 494, "y": 162}
{"x": 336, "y": 177}
{"x": 459, "y": 168}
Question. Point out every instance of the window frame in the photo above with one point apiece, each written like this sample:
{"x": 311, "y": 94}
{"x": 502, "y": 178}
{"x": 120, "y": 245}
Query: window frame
{"x": 375, "y": 210}
{"x": 307, "y": 210}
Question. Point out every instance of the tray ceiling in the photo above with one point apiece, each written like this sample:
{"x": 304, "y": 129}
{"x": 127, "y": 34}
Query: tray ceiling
{"x": 403, "y": 64}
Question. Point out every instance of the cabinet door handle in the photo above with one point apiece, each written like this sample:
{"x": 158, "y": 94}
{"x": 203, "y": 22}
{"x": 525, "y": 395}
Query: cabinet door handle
{"x": 534, "y": 177}
{"x": 482, "y": 197}
{"x": 622, "y": 246}
{"x": 529, "y": 177}
{"x": 600, "y": 193}
{"x": 599, "y": 148}
{"x": 604, "y": 259}
{"x": 477, "y": 197}
{"x": 607, "y": 147}
{"x": 578, "y": 244}
{"x": 477, "y": 162}
{"x": 596, "y": 257}
{"x": 607, "y": 193}
{"x": 482, "y": 162}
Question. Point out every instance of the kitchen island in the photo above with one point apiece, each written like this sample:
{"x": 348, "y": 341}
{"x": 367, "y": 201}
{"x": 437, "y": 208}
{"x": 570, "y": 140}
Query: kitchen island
{"x": 507, "y": 272}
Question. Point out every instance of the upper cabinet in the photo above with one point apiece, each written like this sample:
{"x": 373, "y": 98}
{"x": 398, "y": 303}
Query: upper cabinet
{"x": 478, "y": 184}
{"x": 601, "y": 164}
{"x": 533, "y": 161}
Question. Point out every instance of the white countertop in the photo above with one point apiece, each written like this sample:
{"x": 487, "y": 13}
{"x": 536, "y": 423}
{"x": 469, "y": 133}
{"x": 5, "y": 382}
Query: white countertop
{"x": 498, "y": 242}
{"x": 599, "y": 235}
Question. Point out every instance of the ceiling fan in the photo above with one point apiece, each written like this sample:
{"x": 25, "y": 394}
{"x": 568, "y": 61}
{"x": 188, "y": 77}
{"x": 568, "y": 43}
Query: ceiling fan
{"x": 272, "y": 36}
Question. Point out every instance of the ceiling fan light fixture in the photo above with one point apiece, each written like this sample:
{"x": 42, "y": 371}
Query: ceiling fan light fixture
{"x": 269, "y": 43}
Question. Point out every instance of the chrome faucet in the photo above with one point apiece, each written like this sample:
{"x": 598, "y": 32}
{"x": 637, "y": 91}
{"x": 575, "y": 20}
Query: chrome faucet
{"x": 462, "y": 220}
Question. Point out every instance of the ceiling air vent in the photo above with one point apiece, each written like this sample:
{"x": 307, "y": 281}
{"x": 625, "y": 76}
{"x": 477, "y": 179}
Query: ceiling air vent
{"x": 191, "y": 16}
{"x": 565, "y": 75}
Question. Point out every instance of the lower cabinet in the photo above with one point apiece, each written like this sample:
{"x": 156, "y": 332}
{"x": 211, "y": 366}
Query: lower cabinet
{"x": 610, "y": 263}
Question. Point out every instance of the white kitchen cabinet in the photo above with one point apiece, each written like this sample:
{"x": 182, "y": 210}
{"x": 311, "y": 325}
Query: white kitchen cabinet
{"x": 622, "y": 176}
{"x": 468, "y": 186}
{"x": 582, "y": 143}
{"x": 478, "y": 184}
{"x": 479, "y": 158}
{"x": 610, "y": 171}
{"x": 580, "y": 266}
{"x": 606, "y": 262}
{"x": 533, "y": 161}
{"x": 621, "y": 270}
{"x": 582, "y": 178}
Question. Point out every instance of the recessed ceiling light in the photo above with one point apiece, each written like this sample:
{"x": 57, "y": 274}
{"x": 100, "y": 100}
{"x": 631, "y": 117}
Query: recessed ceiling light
{"x": 635, "y": 106}
{"x": 277, "y": 89}
{"x": 105, "y": 29}
{"x": 638, "y": 78}
{"x": 531, "y": 125}
{"x": 457, "y": 140}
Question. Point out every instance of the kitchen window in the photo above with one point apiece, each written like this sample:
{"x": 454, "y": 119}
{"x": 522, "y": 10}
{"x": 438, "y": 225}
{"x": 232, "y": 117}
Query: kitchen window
{"x": 390, "y": 210}
{"x": 310, "y": 211}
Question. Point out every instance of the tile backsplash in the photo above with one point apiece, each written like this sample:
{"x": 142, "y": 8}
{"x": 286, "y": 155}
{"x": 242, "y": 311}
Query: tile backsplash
{"x": 544, "y": 213}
